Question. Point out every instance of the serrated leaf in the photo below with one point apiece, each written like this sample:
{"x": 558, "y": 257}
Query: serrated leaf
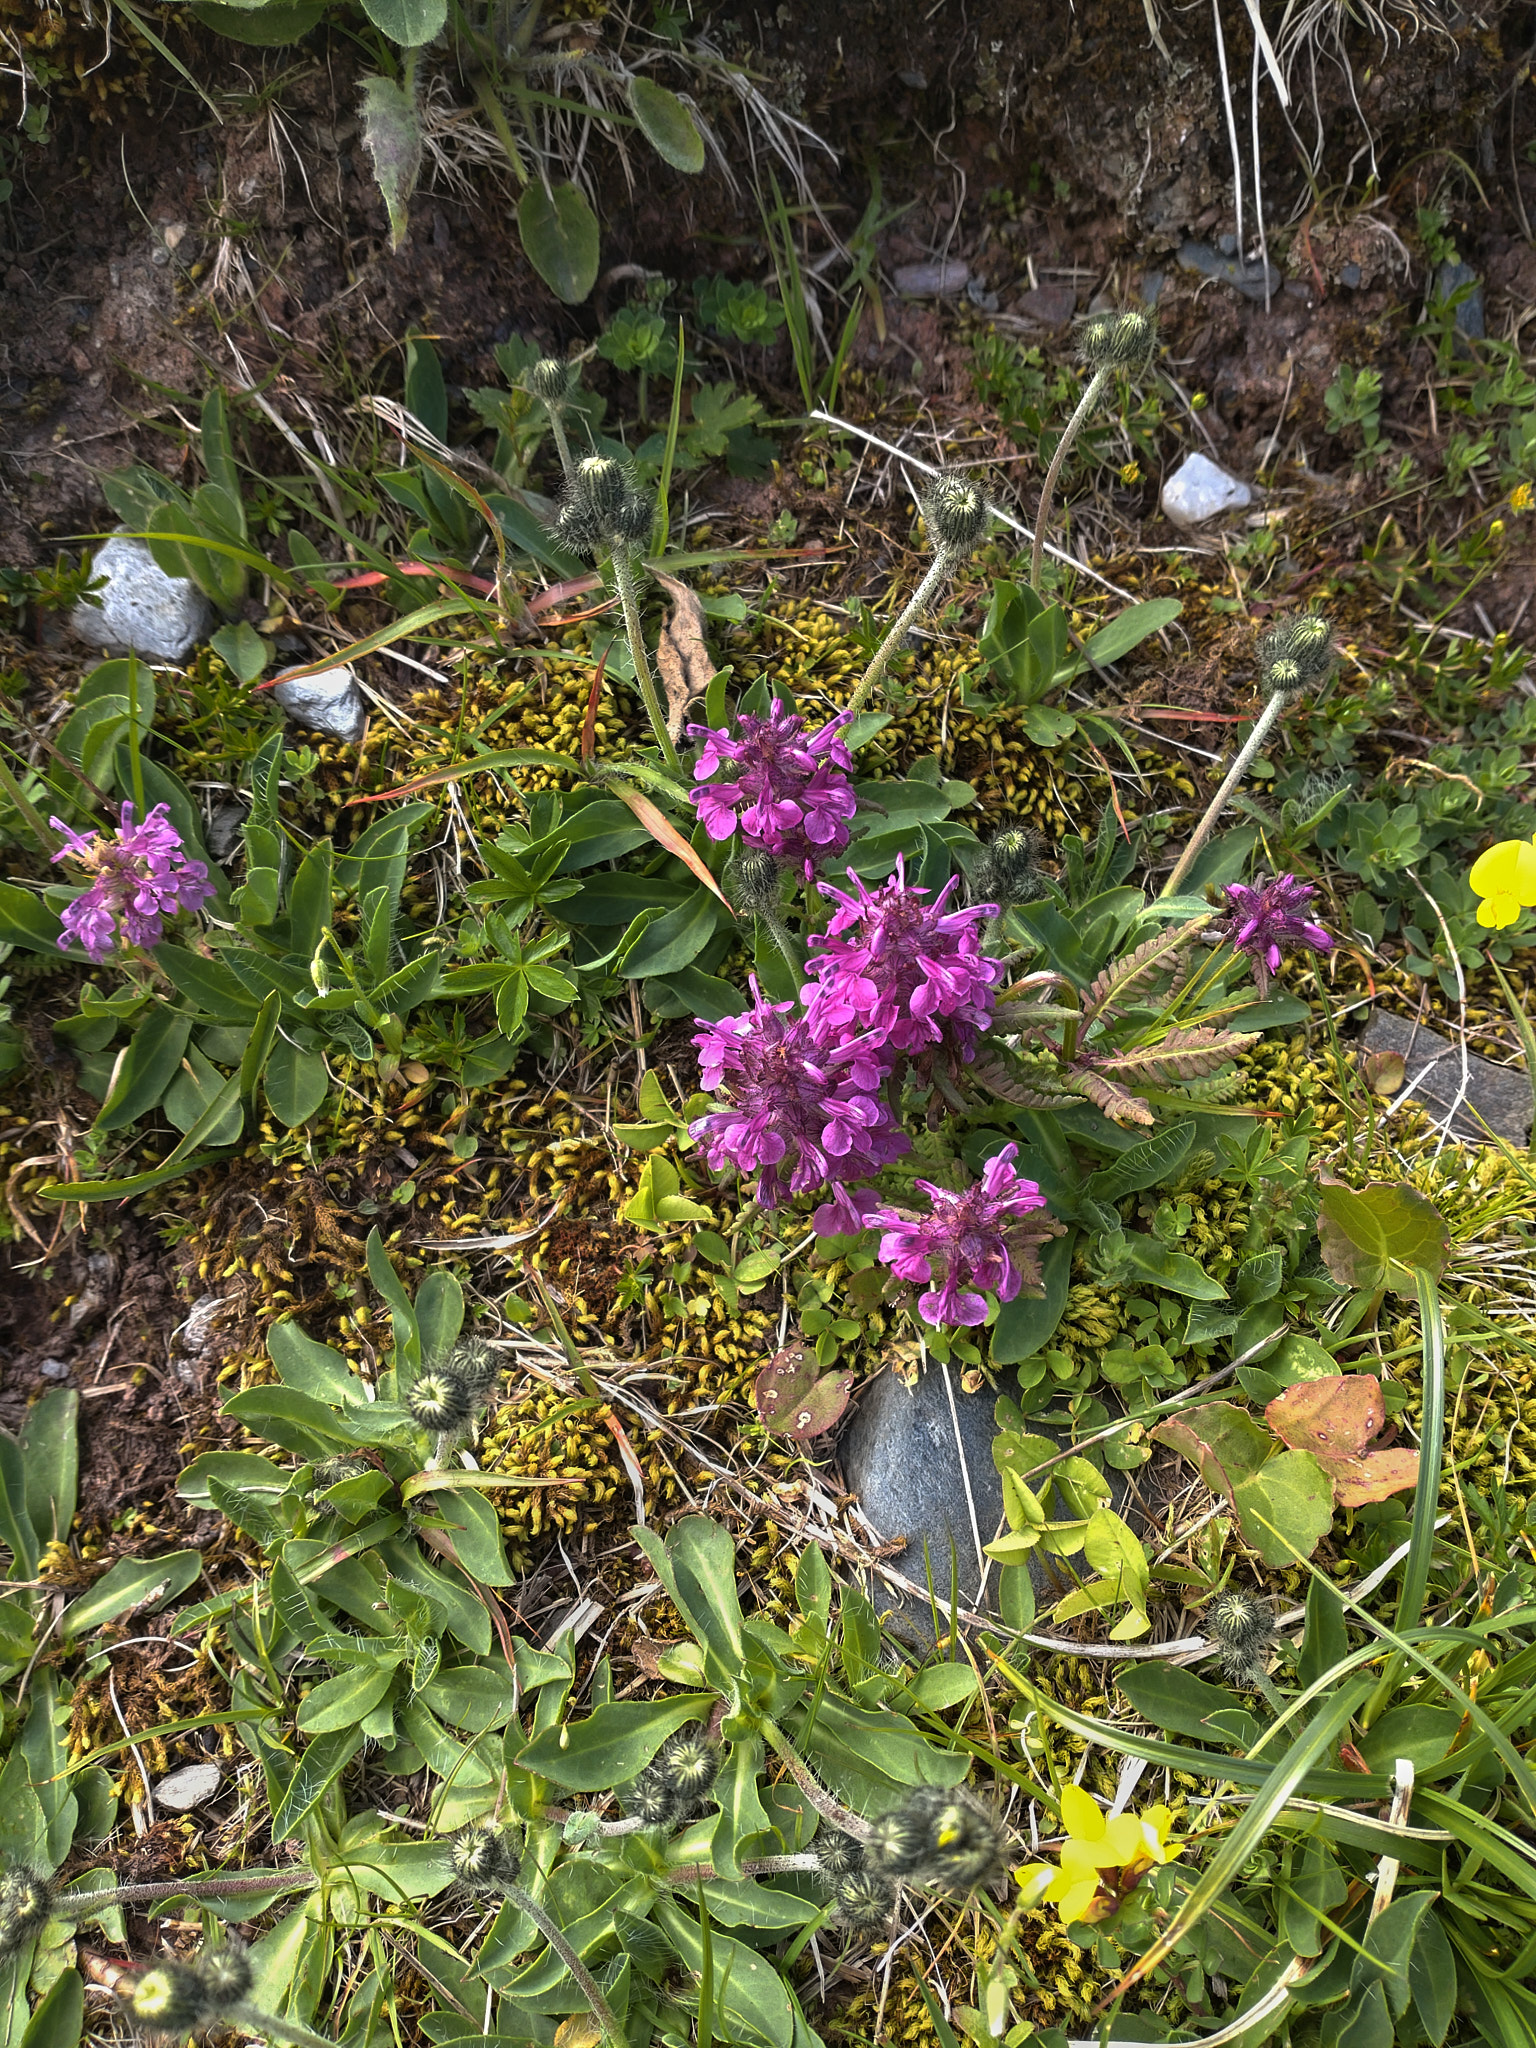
{"x": 1121, "y": 978}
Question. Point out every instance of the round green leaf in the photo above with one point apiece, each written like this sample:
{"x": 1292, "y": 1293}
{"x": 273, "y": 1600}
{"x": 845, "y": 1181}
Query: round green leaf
{"x": 268, "y": 25}
{"x": 668, "y": 125}
{"x": 560, "y": 239}
{"x": 407, "y": 22}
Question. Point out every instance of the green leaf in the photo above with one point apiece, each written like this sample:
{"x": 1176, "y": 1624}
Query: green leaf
{"x": 315, "y": 1369}
{"x": 147, "y": 1068}
{"x": 26, "y": 921}
{"x": 242, "y": 650}
{"x": 410, "y": 23}
{"x": 1129, "y": 628}
{"x": 613, "y": 1745}
{"x": 1028, "y": 1322}
{"x": 1182, "y": 1704}
{"x": 59, "y": 2021}
{"x": 133, "y": 1582}
{"x": 697, "y": 1565}
{"x": 296, "y": 1083}
{"x": 1142, "y": 1165}
{"x": 294, "y": 1420}
{"x": 667, "y": 124}
{"x": 1284, "y": 1504}
{"x": 340, "y": 1702}
{"x": 51, "y": 1461}
{"x": 475, "y": 1533}
{"x": 1320, "y": 1887}
{"x": 315, "y": 1772}
{"x": 1432, "y": 1979}
{"x": 1372, "y": 1237}
{"x": 560, "y": 238}
{"x": 208, "y": 983}
{"x": 1175, "y": 1272}
{"x": 204, "y": 1101}
{"x": 745, "y": 1989}
{"x": 439, "y": 1315}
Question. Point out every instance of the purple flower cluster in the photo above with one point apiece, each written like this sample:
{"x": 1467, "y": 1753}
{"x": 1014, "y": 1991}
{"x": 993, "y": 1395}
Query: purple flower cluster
{"x": 961, "y": 1246}
{"x": 909, "y": 972}
{"x": 790, "y": 794}
{"x": 801, "y": 1115}
{"x": 139, "y": 876}
{"x": 1265, "y": 921}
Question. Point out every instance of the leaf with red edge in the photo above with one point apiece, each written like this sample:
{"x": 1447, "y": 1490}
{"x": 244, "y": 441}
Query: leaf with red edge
{"x": 482, "y": 764}
{"x": 589, "y": 723}
{"x": 666, "y": 834}
{"x": 1335, "y": 1418}
{"x": 795, "y": 1398}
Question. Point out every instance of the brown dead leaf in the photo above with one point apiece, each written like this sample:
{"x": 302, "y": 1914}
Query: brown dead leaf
{"x": 1335, "y": 1418}
{"x": 681, "y": 656}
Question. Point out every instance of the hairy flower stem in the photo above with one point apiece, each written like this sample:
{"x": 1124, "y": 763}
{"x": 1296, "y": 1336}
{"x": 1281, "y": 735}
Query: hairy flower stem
{"x": 819, "y": 1796}
{"x": 779, "y": 932}
{"x": 602, "y": 2011}
{"x": 280, "y": 2030}
{"x": 557, "y": 428}
{"x": 939, "y": 568}
{"x": 77, "y": 1905}
{"x": 1261, "y": 731}
{"x": 1069, "y": 433}
{"x": 624, "y": 576}
{"x": 750, "y": 1866}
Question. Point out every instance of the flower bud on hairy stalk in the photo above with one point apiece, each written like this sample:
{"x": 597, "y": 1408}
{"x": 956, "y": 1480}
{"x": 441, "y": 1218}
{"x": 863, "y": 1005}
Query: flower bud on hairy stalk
{"x": 1109, "y": 342}
{"x": 1008, "y": 872}
{"x": 604, "y": 512}
{"x": 27, "y": 1903}
{"x": 440, "y": 1401}
{"x": 939, "y": 1840}
{"x": 551, "y": 382}
{"x": 837, "y": 1855}
{"x": 863, "y": 1902}
{"x": 1242, "y": 1628}
{"x": 676, "y": 1783}
{"x": 1294, "y": 656}
{"x": 754, "y": 881}
{"x": 955, "y": 513}
{"x": 487, "y": 1860}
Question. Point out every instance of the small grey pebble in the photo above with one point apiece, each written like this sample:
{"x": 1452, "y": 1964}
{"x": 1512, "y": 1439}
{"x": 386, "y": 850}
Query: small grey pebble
{"x": 54, "y": 1369}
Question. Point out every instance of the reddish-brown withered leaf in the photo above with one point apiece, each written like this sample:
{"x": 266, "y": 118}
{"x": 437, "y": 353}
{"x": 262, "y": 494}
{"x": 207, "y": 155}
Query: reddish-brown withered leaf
{"x": 796, "y": 1398}
{"x": 1335, "y": 1419}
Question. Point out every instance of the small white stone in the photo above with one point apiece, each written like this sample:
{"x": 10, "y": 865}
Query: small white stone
{"x": 1199, "y": 489}
{"x": 328, "y": 702}
{"x": 193, "y": 1785}
{"x": 141, "y": 610}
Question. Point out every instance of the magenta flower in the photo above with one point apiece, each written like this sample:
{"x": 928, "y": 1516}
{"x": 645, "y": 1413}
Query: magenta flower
{"x": 907, "y": 972}
{"x": 962, "y": 1245}
{"x": 800, "y": 1116}
{"x": 140, "y": 876}
{"x": 1263, "y": 922}
{"x": 790, "y": 795}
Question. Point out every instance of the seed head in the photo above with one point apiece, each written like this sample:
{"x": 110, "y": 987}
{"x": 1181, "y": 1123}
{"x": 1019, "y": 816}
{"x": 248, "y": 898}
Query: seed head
{"x": 838, "y": 1855}
{"x": 941, "y": 1840}
{"x": 1242, "y": 1629}
{"x": 26, "y": 1906}
{"x": 551, "y": 381}
{"x": 224, "y": 1972}
{"x": 441, "y": 1401}
{"x": 863, "y": 1901}
{"x": 604, "y": 509}
{"x": 485, "y": 1857}
{"x": 1296, "y": 653}
{"x": 475, "y": 1364}
{"x": 756, "y": 881}
{"x": 1118, "y": 341}
{"x": 1008, "y": 871}
{"x": 955, "y": 512}
{"x": 651, "y": 1802}
{"x": 675, "y": 1785}
{"x": 170, "y": 1999}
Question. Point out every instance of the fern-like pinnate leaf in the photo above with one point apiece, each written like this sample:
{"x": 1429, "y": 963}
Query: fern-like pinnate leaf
{"x": 1218, "y": 1087}
{"x": 1178, "y": 1055}
{"x": 1122, "y": 978}
{"x": 1105, "y": 1093}
{"x": 1041, "y": 1091}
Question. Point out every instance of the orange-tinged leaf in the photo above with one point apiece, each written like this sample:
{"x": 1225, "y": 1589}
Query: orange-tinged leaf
{"x": 666, "y": 834}
{"x": 682, "y": 658}
{"x": 1336, "y": 1418}
{"x": 589, "y": 723}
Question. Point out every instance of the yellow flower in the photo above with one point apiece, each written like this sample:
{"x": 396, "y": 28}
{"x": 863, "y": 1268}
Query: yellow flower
{"x": 1102, "y": 1859}
{"x": 1131, "y": 473}
{"x": 1521, "y": 498}
{"x": 1505, "y": 878}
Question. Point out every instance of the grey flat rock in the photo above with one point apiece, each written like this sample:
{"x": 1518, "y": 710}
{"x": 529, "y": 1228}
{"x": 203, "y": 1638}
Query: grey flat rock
{"x": 141, "y": 610}
{"x": 329, "y": 702}
{"x": 193, "y": 1785}
{"x": 1200, "y": 489}
{"x": 900, "y": 1456}
{"x": 1470, "y": 318}
{"x": 1500, "y": 1096}
{"x": 1248, "y": 278}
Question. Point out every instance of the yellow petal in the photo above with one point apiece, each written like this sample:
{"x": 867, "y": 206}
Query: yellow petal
{"x": 1508, "y": 869}
{"x": 1035, "y": 1882}
{"x": 1494, "y": 912}
{"x": 1123, "y": 1838}
{"x": 1079, "y": 1859}
{"x": 1073, "y": 1903}
{"x": 1082, "y": 1816}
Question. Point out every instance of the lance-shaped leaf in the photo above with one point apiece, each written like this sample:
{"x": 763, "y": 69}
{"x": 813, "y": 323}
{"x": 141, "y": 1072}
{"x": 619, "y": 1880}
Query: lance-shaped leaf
{"x": 666, "y": 834}
{"x": 682, "y": 659}
{"x": 1179, "y": 1054}
{"x": 1117, "y": 1103}
{"x": 1335, "y": 1419}
{"x": 392, "y": 136}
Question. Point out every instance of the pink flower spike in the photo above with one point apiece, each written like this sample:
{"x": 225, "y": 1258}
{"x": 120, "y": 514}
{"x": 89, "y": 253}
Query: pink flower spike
{"x": 140, "y": 875}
